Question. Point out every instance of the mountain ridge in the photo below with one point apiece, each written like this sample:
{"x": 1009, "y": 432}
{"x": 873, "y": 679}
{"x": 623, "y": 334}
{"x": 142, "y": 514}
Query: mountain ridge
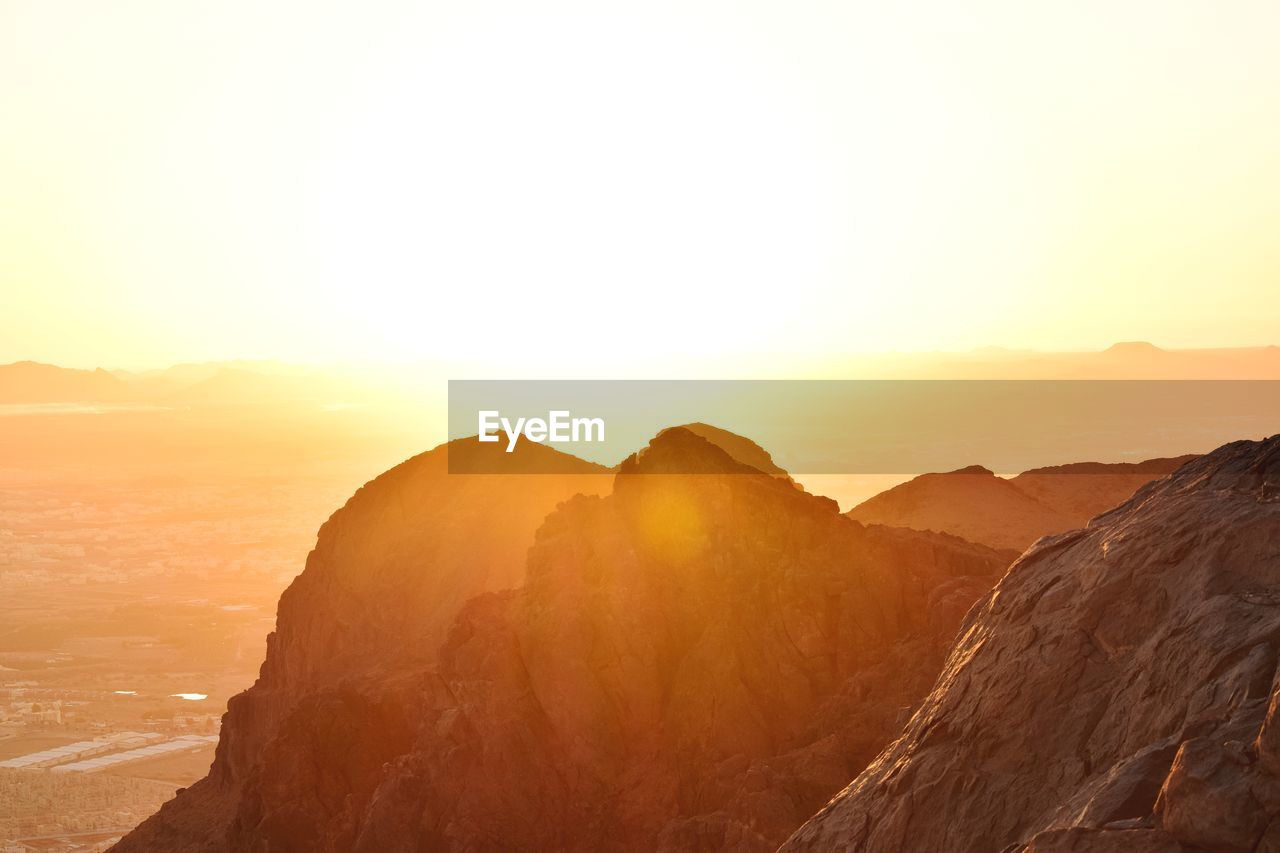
{"x": 669, "y": 675}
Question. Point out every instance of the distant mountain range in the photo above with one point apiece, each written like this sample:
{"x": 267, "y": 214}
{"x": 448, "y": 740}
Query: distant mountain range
{"x": 31, "y": 382}
{"x": 230, "y": 383}
{"x": 1126, "y": 360}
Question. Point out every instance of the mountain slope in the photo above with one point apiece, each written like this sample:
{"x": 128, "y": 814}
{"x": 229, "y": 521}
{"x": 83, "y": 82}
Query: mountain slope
{"x": 1082, "y": 490}
{"x": 972, "y": 503}
{"x": 1109, "y": 693}
{"x": 389, "y": 572}
{"x": 975, "y": 504}
{"x": 693, "y": 662}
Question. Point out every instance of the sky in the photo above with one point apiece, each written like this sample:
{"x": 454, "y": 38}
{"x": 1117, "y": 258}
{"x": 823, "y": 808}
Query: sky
{"x": 632, "y": 184}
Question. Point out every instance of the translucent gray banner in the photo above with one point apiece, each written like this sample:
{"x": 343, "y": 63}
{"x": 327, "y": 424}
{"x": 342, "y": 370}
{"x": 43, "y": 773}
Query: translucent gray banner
{"x": 857, "y": 426}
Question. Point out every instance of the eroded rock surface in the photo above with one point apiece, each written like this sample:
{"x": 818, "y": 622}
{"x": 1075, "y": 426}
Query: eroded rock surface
{"x": 1117, "y": 690}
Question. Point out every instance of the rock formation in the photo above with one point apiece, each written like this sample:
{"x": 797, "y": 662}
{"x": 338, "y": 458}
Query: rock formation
{"x": 1117, "y": 690}
{"x": 389, "y": 572}
{"x": 1011, "y": 514}
{"x": 696, "y": 661}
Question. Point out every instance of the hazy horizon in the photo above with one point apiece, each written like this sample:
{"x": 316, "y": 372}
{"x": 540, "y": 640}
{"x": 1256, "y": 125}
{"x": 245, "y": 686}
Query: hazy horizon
{"x": 250, "y": 362}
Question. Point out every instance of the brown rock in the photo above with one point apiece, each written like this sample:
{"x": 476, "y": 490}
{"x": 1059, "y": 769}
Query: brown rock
{"x": 1267, "y": 744}
{"x": 1103, "y": 841}
{"x": 1207, "y": 801}
{"x": 1096, "y": 653}
{"x": 975, "y": 504}
{"x": 693, "y": 662}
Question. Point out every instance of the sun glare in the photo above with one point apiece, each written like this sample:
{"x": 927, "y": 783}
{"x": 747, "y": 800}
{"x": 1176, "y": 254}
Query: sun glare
{"x": 410, "y": 181}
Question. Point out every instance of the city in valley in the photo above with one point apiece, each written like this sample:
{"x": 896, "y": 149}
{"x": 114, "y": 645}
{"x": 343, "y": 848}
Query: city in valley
{"x": 129, "y": 612}
{"x": 138, "y": 583}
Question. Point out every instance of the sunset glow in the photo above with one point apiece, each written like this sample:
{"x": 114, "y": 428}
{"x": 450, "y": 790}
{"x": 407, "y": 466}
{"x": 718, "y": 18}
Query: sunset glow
{"x": 697, "y": 426}
{"x": 413, "y": 181}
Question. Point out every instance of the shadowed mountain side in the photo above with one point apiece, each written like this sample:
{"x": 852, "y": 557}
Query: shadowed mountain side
{"x": 388, "y": 573}
{"x": 1115, "y": 691}
{"x": 696, "y": 661}
{"x": 1010, "y": 514}
{"x": 429, "y": 540}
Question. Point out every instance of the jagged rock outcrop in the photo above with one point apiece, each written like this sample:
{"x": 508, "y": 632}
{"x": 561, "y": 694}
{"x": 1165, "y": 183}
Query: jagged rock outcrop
{"x": 696, "y": 661}
{"x": 1117, "y": 690}
{"x": 1011, "y": 514}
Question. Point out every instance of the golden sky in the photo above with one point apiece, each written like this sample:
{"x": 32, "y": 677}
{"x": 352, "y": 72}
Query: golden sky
{"x": 487, "y": 182}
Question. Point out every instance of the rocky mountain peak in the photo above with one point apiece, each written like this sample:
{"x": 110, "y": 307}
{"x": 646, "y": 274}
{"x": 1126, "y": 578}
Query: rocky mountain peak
{"x": 977, "y": 470}
{"x": 692, "y": 662}
{"x": 679, "y": 450}
{"x": 739, "y": 447}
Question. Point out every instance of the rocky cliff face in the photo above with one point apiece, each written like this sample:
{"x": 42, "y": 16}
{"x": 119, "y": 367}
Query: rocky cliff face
{"x": 1011, "y": 514}
{"x": 1117, "y": 690}
{"x": 389, "y": 572}
{"x": 692, "y": 662}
